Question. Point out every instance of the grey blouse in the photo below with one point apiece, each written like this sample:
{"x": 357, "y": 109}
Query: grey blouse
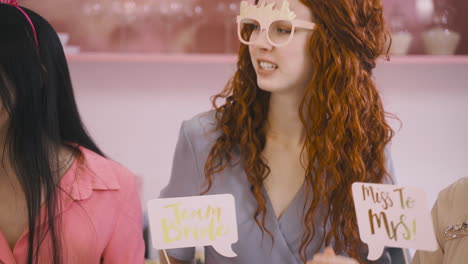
{"x": 196, "y": 138}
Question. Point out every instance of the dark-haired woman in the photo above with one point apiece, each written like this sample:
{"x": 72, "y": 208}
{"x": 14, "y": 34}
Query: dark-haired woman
{"x": 300, "y": 121}
{"x": 61, "y": 200}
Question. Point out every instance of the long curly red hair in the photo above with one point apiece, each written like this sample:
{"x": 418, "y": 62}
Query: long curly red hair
{"x": 341, "y": 111}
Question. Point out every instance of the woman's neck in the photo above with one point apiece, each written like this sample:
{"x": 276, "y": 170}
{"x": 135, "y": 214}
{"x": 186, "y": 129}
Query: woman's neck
{"x": 284, "y": 125}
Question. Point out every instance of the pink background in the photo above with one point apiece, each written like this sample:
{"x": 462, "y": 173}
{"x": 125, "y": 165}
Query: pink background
{"x": 134, "y": 110}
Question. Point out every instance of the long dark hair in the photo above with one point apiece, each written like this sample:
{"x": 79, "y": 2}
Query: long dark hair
{"x": 37, "y": 95}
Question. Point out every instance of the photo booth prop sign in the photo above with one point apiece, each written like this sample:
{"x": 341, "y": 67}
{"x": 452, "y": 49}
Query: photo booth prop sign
{"x": 194, "y": 221}
{"x": 394, "y": 216}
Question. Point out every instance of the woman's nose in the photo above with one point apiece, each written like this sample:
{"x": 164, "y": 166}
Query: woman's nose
{"x": 262, "y": 41}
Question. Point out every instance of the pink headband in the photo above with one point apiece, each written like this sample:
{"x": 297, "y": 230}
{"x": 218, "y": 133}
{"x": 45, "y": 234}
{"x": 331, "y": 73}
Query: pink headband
{"x": 15, "y": 4}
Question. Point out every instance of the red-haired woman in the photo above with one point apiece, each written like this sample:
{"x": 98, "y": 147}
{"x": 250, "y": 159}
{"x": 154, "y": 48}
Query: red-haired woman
{"x": 300, "y": 121}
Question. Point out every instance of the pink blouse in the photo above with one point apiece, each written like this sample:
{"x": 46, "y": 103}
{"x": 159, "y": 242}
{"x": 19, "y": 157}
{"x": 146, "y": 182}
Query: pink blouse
{"x": 101, "y": 216}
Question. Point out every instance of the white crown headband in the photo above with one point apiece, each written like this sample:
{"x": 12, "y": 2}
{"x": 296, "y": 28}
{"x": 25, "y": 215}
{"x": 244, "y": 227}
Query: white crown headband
{"x": 266, "y": 12}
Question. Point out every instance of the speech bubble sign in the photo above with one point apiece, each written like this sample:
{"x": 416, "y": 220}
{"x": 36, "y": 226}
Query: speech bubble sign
{"x": 394, "y": 216}
{"x": 194, "y": 221}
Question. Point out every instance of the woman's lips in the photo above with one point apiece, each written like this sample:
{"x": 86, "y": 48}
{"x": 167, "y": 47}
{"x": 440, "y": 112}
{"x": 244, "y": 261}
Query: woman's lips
{"x": 266, "y": 67}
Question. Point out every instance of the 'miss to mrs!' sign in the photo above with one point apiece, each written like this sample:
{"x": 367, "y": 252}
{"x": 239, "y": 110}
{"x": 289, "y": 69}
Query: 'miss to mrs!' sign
{"x": 194, "y": 221}
{"x": 394, "y": 216}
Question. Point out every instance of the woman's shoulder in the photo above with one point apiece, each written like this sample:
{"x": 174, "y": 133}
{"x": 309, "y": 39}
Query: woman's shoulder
{"x": 106, "y": 173}
{"x": 201, "y": 130}
{"x": 454, "y": 194}
{"x": 196, "y": 138}
{"x": 201, "y": 124}
{"x": 450, "y": 212}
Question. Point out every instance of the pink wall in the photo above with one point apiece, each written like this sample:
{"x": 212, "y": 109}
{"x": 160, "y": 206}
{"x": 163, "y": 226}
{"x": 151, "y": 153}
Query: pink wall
{"x": 134, "y": 111}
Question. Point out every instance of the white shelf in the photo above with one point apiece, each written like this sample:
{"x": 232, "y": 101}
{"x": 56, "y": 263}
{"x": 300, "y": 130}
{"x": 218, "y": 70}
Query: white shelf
{"x": 428, "y": 59}
{"x": 153, "y": 58}
{"x": 232, "y": 58}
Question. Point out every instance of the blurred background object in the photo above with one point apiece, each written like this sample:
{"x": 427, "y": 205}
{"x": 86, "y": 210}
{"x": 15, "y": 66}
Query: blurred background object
{"x": 144, "y": 26}
{"x": 209, "y": 26}
{"x": 398, "y": 24}
{"x": 430, "y": 26}
{"x": 441, "y": 38}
